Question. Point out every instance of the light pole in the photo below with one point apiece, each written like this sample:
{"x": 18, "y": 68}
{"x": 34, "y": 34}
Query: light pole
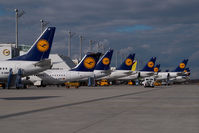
{"x": 81, "y": 39}
{"x": 116, "y": 57}
{"x": 90, "y": 45}
{"x": 70, "y": 35}
{"x": 43, "y": 24}
{"x": 101, "y": 47}
{"x": 18, "y": 15}
{"x": 97, "y": 46}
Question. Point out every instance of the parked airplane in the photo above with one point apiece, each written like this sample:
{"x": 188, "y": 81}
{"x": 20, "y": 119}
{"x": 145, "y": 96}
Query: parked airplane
{"x": 147, "y": 71}
{"x": 177, "y": 72}
{"x": 103, "y": 66}
{"x": 183, "y": 78}
{"x": 57, "y": 77}
{"x": 123, "y": 70}
{"x": 34, "y": 61}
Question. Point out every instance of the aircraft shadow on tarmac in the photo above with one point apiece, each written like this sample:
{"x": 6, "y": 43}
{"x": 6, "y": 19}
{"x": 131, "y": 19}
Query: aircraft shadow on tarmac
{"x": 28, "y": 98}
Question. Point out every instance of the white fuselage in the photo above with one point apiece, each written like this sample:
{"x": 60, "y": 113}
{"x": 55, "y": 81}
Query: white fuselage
{"x": 118, "y": 74}
{"x": 27, "y": 67}
{"x": 97, "y": 74}
{"x": 136, "y": 75}
{"x": 180, "y": 79}
{"x": 165, "y": 75}
{"x": 101, "y": 73}
{"x": 55, "y": 77}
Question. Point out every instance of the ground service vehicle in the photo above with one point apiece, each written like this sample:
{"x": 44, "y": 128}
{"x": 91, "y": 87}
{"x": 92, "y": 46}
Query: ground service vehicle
{"x": 148, "y": 82}
{"x": 72, "y": 84}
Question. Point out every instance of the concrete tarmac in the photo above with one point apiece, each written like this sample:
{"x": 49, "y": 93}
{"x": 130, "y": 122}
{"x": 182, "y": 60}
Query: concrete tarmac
{"x": 113, "y": 109}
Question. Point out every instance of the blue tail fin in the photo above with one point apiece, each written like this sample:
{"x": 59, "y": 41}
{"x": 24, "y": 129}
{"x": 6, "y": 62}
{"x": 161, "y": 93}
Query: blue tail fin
{"x": 105, "y": 61}
{"x": 181, "y": 66}
{"x": 187, "y": 69}
{"x": 150, "y": 65}
{"x": 88, "y": 63}
{"x": 157, "y": 68}
{"x": 127, "y": 64}
{"x": 41, "y": 48}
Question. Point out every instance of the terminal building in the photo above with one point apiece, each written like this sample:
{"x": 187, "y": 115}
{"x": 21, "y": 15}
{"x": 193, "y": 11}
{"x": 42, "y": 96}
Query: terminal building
{"x": 8, "y": 50}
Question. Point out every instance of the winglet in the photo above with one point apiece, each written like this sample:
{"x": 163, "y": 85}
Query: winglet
{"x": 134, "y": 66}
{"x": 43, "y": 63}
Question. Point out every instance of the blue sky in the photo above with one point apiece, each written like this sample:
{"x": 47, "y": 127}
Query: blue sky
{"x": 2, "y": 11}
{"x": 166, "y": 29}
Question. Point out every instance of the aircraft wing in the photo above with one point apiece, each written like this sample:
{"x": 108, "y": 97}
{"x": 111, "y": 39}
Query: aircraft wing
{"x": 151, "y": 74}
{"x": 180, "y": 73}
{"x": 131, "y": 72}
{"x": 44, "y": 63}
{"x": 128, "y": 73}
{"x": 107, "y": 71}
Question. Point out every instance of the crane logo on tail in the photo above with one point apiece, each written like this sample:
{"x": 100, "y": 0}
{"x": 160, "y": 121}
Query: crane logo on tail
{"x": 128, "y": 62}
{"x": 89, "y": 63}
{"x": 6, "y": 52}
{"x": 182, "y": 65}
{"x": 42, "y": 45}
{"x": 106, "y": 61}
{"x": 150, "y": 64}
{"x": 156, "y": 69}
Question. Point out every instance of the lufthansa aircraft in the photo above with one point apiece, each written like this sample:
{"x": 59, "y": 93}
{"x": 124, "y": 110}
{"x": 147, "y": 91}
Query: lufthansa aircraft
{"x": 183, "y": 78}
{"x": 103, "y": 66}
{"x": 179, "y": 71}
{"x": 57, "y": 77}
{"x": 34, "y": 61}
{"x": 123, "y": 70}
{"x": 147, "y": 71}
